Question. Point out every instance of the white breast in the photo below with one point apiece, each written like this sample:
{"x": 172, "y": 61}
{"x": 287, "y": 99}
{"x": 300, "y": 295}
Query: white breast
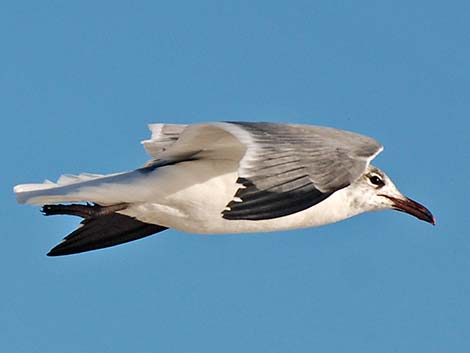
{"x": 196, "y": 193}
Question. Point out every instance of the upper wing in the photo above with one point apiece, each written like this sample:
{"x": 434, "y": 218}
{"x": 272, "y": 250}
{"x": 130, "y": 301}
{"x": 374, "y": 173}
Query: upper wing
{"x": 283, "y": 168}
{"x": 173, "y": 143}
{"x": 289, "y": 168}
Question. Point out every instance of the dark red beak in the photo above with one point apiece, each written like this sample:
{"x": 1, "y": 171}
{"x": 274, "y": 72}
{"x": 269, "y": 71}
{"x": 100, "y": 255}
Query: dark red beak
{"x": 413, "y": 208}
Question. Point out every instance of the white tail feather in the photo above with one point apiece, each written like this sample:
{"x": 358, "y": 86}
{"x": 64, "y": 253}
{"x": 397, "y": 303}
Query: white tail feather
{"x": 68, "y": 188}
{"x": 67, "y": 179}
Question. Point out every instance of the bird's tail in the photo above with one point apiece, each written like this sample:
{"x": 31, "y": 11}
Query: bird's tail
{"x": 98, "y": 188}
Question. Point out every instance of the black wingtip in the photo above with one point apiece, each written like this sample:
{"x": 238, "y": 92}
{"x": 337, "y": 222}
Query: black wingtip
{"x": 65, "y": 248}
{"x": 102, "y": 232}
{"x": 56, "y": 251}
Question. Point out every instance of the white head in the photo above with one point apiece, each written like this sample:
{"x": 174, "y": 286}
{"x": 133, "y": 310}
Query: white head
{"x": 375, "y": 191}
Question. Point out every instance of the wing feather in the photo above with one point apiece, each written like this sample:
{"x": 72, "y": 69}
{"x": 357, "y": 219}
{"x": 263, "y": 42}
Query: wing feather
{"x": 288, "y": 168}
{"x": 283, "y": 168}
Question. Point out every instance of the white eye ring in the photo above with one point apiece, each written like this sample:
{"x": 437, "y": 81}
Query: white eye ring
{"x": 376, "y": 180}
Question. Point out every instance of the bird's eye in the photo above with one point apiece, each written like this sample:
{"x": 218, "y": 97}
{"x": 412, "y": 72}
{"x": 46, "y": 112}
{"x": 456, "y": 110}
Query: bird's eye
{"x": 376, "y": 180}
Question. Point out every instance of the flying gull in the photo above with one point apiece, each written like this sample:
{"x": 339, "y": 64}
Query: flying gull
{"x": 225, "y": 177}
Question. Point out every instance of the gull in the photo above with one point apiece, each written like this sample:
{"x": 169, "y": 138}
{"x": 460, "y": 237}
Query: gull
{"x": 224, "y": 177}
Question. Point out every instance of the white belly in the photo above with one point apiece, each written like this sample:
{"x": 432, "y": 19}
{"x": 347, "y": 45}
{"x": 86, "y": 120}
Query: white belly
{"x": 191, "y": 197}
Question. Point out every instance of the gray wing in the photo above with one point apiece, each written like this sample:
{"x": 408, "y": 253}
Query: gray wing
{"x": 289, "y": 168}
{"x": 283, "y": 168}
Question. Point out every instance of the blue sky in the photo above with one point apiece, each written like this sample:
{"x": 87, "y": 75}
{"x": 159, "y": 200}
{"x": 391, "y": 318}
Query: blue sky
{"x": 79, "y": 81}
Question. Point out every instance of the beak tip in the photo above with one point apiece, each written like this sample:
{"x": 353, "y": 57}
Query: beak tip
{"x": 413, "y": 208}
{"x": 427, "y": 215}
